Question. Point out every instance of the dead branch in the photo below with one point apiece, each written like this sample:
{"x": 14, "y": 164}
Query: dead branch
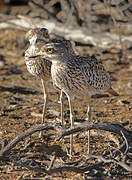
{"x": 52, "y": 161}
{"x": 115, "y": 128}
{"x": 80, "y": 169}
{"x": 60, "y": 133}
{"x": 29, "y": 132}
{"x": 38, "y": 5}
{"x": 118, "y": 31}
{"x": 102, "y": 40}
{"x": 111, "y": 160}
{"x": 126, "y": 142}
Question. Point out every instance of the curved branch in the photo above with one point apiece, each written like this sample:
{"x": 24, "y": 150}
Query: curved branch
{"x": 29, "y": 132}
{"x": 80, "y": 169}
{"x": 115, "y": 128}
{"x": 111, "y": 160}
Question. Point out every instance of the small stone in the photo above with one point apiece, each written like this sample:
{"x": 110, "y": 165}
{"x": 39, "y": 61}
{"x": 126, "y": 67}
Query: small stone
{"x": 14, "y": 116}
{"x": 36, "y": 114}
{"x": 1, "y": 64}
{"x": 122, "y": 102}
{"x": 101, "y": 114}
{"x": 54, "y": 112}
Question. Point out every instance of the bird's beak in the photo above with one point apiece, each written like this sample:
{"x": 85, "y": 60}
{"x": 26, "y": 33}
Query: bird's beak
{"x": 35, "y": 55}
{"x": 39, "y": 40}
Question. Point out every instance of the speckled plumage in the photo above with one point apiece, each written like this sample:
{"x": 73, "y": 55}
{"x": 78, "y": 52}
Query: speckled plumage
{"x": 80, "y": 76}
{"x": 76, "y": 75}
{"x": 39, "y": 66}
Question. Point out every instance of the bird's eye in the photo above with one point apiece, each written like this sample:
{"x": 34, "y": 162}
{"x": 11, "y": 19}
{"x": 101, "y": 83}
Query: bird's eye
{"x": 30, "y": 36}
{"x": 50, "y": 50}
{"x": 46, "y": 35}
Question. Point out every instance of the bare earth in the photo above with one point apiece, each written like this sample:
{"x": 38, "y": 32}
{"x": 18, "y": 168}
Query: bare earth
{"x": 21, "y": 101}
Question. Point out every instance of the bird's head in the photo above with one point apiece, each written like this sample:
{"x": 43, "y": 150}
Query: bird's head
{"x": 37, "y": 34}
{"x": 54, "y": 51}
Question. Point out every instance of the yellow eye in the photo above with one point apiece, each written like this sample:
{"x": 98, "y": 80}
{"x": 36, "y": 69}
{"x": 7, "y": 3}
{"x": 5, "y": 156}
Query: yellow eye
{"x": 30, "y": 36}
{"x": 50, "y": 50}
{"x": 46, "y": 35}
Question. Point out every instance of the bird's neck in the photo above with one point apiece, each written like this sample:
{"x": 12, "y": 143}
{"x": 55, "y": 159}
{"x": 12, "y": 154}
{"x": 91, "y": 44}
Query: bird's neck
{"x": 56, "y": 62}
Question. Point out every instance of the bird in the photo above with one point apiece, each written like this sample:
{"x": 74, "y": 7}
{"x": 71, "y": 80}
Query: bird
{"x": 40, "y": 67}
{"x": 76, "y": 76}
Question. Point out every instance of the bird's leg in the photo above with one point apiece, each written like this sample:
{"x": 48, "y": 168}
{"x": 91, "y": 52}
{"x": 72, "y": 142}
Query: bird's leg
{"x": 45, "y": 100}
{"x": 72, "y": 124}
{"x": 62, "y": 108}
{"x": 59, "y": 96}
{"x": 45, "y": 103}
{"x": 89, "y": 119}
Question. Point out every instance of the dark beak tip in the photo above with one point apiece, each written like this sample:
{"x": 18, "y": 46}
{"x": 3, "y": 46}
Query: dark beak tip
{"x": 33, "y": 56}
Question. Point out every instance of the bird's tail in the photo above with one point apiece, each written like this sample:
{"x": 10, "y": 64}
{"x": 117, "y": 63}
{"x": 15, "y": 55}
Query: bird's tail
{"x": 112, "y": 92}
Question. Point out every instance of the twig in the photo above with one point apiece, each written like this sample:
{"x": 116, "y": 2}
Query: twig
{"x": 52, "y": 162}
{"x": 115, "y": 128}
{"x": 118, "y": 30}
{"x": 52, "y": 15}
{"x": 80, "y": 169}
{"x": 29, "y": 132}
{"x": 127, "y": 146}
{"x": 103, "y": 159}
